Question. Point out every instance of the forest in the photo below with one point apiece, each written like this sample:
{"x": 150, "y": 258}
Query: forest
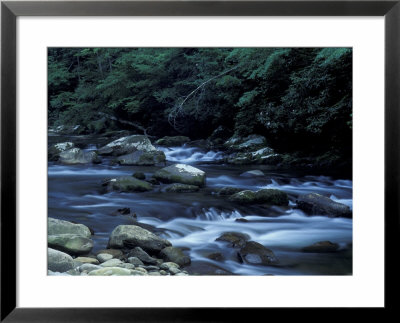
{"x": 299, "y": 99}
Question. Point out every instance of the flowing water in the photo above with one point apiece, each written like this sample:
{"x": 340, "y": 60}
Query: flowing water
{"x": 193, "y": 221}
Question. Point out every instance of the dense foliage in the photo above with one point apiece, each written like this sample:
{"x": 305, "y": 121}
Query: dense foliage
{"x": 300, "y": 99}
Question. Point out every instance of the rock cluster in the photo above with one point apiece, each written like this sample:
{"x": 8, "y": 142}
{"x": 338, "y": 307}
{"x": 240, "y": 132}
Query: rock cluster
{"x": 131, "y": 251}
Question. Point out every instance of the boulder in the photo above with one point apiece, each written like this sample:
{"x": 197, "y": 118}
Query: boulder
{"x": 317, "y": 204}
{"x": 272, "y": 197}
{"x": 236, "y": 239}
{"x": 142, "y": 158}
{"x": 78, "y": 156}
{"x": 172, "y": 254}
{"x": 263, "y": 196}
{"x": 110, "y": 271}
{"x": 249, "y": 143}
{"x": 181, "y": 173}
{"x": 255, "y": 253}
{"x": 54, "y": 151}
{"x": 228, "y": 190}
{"x": 58, "y": 261}
{"x": 181, "y": 188}
{"x": 243, "y": 197}
{"x": 172, "y": 141}
{"x": 130, "y": 236}
{"x": 55, "y": 226}
{"x": 142, "y": 255}
{"x": 72, "y": 244}
{"x": 127, "y": 145}
{"x": 128, "y": 184}
{"x": 322, "y": 247}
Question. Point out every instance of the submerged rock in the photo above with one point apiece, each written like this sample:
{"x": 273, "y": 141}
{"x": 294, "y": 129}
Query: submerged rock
{"x": 256, "y": 254}
{"x": 127, "y": 145}
{"x": 181, "y": 173}
{"x": 172, "y": 254}
{"x": 322, "y": 247}
{"x": 142, "y": 158}
{"x": 236, "y": 239}
{"x": 253, "y": 173}
{"x": 181, "y": 188}
{"x": 317, "y": 204}
{"x": 58, "y": 261}
{"x": 172, "y": 141}
{"x": 127, "y": 184}
{"x": 72, "y": 244}
{"x": 139, "y": 175}
{"x": 130, "y": 236}
{"x": 78, "y": 156}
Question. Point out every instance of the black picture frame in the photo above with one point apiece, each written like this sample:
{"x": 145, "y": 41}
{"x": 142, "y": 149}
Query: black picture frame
{"x": 10, "y": 10}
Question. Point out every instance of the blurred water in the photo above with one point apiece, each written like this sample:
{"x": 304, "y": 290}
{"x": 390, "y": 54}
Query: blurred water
{"x": 193, "y": 221}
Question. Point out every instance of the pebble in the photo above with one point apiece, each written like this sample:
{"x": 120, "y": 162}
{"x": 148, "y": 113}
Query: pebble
{"x": 112, "y": 263}
{"x": 103, "y": 257}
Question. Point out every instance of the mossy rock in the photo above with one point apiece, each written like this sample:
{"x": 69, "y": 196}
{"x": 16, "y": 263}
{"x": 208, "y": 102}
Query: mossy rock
{"x": 139, "y": 175}
{"x": 272, "y": 197}
{"x": 128, "y": 184}
{"x": 127, "y": 145}
{"x": 78, "y": 156}
{"x": 228, "y": 190}
{"x": 172, "y": 141}
{"x": 243, "y": 197}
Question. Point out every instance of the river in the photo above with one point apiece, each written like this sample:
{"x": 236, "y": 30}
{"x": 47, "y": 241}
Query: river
{"x": 193, "y": 221}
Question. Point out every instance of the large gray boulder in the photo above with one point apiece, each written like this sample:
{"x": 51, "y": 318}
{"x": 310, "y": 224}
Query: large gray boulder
{"x": 142, "y": 158}
{"x": 72, "y": 244}
{"x": 78, "y": 156}
{"x": 256, "y": 254}
{"x": 127, "y": 184}
{"x": 55, "y": 150}
{"x": 317, "y": 204}
{"x": 127, "y": 145}
{"x": 130, "y": 236}
{"x": 181, "y": 173}
{"x": 249, "y": 143}
{"x": 59, "y": 261}
{"x": 56, "y": 226}
{"x": 110, "y": 271}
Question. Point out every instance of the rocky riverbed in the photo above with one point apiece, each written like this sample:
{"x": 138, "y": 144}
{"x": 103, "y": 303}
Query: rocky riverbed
{"x": 134, "y": 206}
